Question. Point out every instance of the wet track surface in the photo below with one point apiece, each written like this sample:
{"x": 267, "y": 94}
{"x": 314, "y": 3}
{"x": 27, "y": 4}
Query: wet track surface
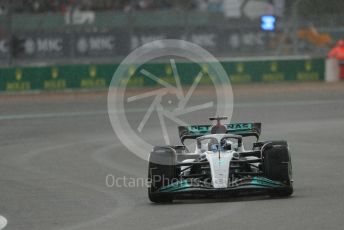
{"x": 56, "y": 152}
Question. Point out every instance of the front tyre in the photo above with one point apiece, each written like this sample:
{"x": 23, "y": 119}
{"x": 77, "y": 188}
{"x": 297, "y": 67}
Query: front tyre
{"x": 161, "y": 172}
{"x": 278, "y": 167}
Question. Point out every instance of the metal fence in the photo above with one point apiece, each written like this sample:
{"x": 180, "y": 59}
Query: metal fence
{"x": 103, "y": 37}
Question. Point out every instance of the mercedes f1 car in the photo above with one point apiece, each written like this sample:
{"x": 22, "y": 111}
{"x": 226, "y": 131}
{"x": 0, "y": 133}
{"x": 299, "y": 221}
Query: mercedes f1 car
{"x": 220, "y": 166}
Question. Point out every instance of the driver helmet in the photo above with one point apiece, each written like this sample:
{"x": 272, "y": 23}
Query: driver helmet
{"x": 226, "y": 145}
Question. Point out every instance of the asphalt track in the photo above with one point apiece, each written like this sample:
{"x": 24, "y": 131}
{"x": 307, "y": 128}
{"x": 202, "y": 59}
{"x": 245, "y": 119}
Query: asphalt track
{"x": 56, "y": 151}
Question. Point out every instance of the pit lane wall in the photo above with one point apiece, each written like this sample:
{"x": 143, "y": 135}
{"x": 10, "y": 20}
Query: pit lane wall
{"x": 78, "y": 77}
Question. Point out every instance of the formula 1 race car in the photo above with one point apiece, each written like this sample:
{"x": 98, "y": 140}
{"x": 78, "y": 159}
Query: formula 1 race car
{"x": 220, "y": 166}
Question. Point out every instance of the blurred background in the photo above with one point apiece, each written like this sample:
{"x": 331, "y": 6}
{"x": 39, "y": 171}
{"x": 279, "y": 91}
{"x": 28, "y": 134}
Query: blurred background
{"x": 34, "y": 32}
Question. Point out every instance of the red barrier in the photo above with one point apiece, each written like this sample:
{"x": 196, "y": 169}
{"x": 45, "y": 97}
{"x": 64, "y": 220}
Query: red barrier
{"x": 341, "y": 71}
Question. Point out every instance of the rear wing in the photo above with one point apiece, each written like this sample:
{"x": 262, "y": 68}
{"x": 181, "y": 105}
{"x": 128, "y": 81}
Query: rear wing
{"x": 242, "y": 129}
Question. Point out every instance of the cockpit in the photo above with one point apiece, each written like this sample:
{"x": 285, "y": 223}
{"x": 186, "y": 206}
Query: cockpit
{"x": 225, "y": 142}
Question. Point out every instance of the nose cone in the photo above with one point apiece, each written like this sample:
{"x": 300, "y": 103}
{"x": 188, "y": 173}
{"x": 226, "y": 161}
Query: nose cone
{"x": 220, "y": 168}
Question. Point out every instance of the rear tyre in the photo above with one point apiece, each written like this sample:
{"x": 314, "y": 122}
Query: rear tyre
{"x": 161, "y": 172}
{"x": 278, "y": 166}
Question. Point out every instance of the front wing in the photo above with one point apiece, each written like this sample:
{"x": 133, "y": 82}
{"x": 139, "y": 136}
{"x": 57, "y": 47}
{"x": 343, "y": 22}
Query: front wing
{"x": 249, "y": 185}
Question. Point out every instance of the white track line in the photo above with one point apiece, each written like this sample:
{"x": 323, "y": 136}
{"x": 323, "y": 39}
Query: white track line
{"x": 3, "y": 222}
{"x": 140, "y": 110}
